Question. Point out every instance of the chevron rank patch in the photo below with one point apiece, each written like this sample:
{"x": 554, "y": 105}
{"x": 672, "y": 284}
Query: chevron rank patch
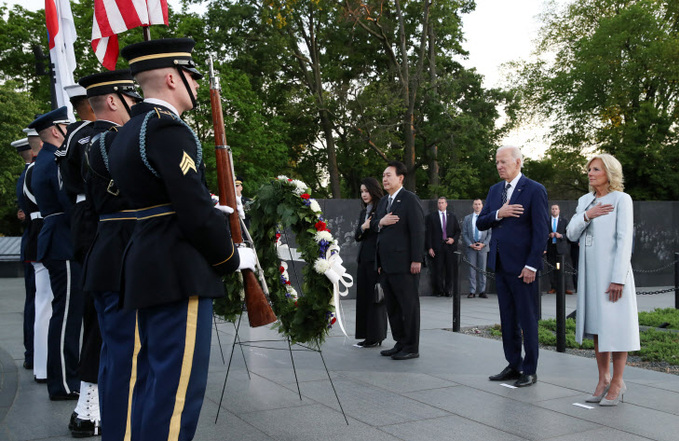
{"x": 187, "y": 164}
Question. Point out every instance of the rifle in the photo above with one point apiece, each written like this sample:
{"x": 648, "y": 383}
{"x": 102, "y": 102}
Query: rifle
{"x": 259, "y": 310}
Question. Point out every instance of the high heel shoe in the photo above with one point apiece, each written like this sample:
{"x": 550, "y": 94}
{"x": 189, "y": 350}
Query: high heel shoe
{"x": 360, "y": 343}
{"x": 598, "y": 398}
{"x": 616, "y": 400}
{"x": 372, "y": 344}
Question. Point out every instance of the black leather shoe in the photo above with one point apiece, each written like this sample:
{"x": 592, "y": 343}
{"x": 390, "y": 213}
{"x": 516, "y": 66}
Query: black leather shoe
{"x": 483, "y": 295}
{"x": 40, "y": 380}
{"x": 507, "y": 373}
{"x": 526, "y": 380}
{"x": 72, "y": 396}
{"x": 83, "y": 428}
{"x": 471, "y": 296}
{"x": 371, "y": 344}
{"x": 390, "y": 352}
{"x": 360, "y": 343}
{"x": 405, "y": 355}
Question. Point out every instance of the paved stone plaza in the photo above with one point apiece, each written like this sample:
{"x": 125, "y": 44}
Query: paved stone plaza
{"x": 443, "y": 395}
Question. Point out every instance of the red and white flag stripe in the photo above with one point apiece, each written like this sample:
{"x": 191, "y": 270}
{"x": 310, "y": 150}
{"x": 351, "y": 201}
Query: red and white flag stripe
{"x": 111, "y": 17}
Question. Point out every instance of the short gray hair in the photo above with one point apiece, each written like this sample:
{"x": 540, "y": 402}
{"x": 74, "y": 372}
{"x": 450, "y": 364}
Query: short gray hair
{"x": 515, "y": 151}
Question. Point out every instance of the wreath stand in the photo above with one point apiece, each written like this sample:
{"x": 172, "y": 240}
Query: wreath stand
{"x": 256, "y": 344}
{"x": 262, "y": 344}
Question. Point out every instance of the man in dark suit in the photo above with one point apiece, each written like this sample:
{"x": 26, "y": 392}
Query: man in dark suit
{"x": 441, "y": 244}
{"x": 399, "y": 221}
{"x": 557, "y": 244}
{"x": 516, "y": 210}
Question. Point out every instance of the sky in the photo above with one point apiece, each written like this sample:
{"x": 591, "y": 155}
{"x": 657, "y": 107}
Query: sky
{"x": 498, "y": 31}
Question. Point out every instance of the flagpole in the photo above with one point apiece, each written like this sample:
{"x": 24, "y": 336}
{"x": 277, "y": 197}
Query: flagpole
{"x": 147, "y": 33}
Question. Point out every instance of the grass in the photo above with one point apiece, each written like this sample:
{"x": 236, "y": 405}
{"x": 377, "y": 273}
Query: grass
{"x": 656, "y": 345}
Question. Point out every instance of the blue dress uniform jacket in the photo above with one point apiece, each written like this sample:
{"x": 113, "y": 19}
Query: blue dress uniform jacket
{"x": 156, "y": 162}
{"x": 30, "y": 249}
{"x": 54, "y": 241}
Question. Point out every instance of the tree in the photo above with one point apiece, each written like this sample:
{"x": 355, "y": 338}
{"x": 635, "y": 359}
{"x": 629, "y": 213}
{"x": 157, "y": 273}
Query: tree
{"x": 613, "y": 86}
{"x": 14, "y": 108}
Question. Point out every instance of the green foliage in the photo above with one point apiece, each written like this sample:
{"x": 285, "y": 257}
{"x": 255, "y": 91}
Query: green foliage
{"x": 547, "y": 334}
{"x": 612, "y": 86}
{"x": 659, "y": 316}
{"x": 16, "y": 111}
{"x": 659, "y": 346}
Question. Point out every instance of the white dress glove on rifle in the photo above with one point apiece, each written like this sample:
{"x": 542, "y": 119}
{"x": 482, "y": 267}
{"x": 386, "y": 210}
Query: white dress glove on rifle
{"x": 247, "y": 259}
{"x": 223, "y": 208}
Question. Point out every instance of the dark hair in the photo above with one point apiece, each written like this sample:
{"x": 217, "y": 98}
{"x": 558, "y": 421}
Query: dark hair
{"x": 399, "y": 166}
{"x": 373, "y": 187}
{"x": 442, "y": 197}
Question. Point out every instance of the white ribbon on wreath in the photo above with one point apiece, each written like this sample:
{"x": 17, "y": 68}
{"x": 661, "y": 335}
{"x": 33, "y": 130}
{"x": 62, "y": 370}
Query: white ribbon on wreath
{"x": 340, "y": 279}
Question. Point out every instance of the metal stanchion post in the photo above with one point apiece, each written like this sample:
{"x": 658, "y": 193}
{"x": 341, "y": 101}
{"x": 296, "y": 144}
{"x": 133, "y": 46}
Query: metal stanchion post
{"x": 676, "y": 280}
{"x": 456, "y": 293}
{"x": 560, "y": 305}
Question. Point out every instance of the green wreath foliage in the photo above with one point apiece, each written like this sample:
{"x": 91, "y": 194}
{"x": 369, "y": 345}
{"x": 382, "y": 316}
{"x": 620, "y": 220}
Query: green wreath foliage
{"x": 307, "y": 318}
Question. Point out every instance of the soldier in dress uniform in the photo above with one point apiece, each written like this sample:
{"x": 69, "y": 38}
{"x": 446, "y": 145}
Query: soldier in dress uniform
{"x": 110, "y": 96}
{"x": 55, "y": 251}
{"x": 24, "y": 150}
{"x": 181, "y": 244}
{"x": 43, "y": 291}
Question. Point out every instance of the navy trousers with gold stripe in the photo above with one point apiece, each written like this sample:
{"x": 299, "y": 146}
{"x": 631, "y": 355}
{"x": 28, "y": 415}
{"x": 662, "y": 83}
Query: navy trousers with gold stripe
{"x": 175, "y": 351}
{"x": 118, "y": 371}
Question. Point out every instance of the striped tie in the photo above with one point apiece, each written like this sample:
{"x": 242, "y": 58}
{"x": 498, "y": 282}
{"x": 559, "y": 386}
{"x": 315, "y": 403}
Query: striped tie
{"x": 504, "y": 193}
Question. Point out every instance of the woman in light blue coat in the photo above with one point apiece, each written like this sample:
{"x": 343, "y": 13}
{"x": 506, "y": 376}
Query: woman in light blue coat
{"x": 607, "y": 306}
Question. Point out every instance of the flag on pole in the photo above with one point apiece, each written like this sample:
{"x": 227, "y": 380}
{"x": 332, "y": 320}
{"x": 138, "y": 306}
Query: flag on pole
{"x": 61, "y": 36}
{"x": 111, "y": 17}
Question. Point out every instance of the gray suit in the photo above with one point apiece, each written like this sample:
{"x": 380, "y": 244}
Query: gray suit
{"x": 476, "y": 258}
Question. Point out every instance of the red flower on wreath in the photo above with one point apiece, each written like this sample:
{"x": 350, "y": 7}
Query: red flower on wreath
{"x": 289, "y": 180}
{"x": 305, "y": 196}
{"x": 287, "y": 282}
{"x": 282, "y": 269}
{"x": 332, "y": 322}
{"x": 321, "y": 226}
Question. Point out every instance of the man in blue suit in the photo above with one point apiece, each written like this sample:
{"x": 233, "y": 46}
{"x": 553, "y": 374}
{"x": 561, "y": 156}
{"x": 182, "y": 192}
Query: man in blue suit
{"x": 516, "y": 210}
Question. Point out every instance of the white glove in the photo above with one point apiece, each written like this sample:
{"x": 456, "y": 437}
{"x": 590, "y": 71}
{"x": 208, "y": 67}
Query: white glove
{"x": 241, "y": 210}
{"x": 247, "y": 259}
{"x": 224, "y": 209}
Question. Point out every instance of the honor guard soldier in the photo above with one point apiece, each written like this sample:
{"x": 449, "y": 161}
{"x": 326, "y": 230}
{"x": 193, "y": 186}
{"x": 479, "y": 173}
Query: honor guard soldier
{"x": 43, "y": 291}
{"x": 55, "y": 251}
{"x": 110, "y": 95}
{"x": 24, "y": 150}
{"x": 181, "y": 245}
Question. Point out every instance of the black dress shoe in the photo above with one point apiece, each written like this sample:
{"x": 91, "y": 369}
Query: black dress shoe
{"x": 83, "y": 428}
{"x": 390, "y": 352}
{"x": 483, "y": 295}
{"x": 72, "y": 396}
{"x": 371, "y": 344}
{"x": 360, "y": 343}
{"x": 508, "y": 373}
{"x": 405, "y": 355}
{"x": 40, "y": 380}
{"x": 472, "y": 295}
{"x": 526, "y": 380}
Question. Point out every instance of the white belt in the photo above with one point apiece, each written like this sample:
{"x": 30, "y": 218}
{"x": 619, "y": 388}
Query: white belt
{"x": 36, "y": 215}
{"x": 54, "y": 214}
{"x": 80, "y": 198}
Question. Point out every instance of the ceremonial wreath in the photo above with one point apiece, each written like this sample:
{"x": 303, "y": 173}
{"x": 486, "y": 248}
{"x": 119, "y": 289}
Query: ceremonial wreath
{"x": 281, "y": 204}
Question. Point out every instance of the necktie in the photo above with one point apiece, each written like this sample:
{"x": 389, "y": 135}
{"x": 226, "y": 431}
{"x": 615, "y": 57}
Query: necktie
{"x": 443, "y": 225}
{"x": 389, "y": 204}
{"x": 554, "y": 219}
{"x": 476, "y": 230}
{"x": 504, "y": 193}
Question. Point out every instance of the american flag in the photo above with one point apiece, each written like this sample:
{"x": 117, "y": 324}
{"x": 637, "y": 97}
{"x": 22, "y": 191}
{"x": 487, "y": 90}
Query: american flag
{"x": 61, "y": 35}
{"x": 111, "y": 17}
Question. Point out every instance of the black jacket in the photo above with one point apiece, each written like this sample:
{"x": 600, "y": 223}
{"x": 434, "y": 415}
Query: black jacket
{"x": 156, "y": 160}
{"x": 400, "y": 244}
{"x": 434, "y": 236}
{"x": 367, "y": 240}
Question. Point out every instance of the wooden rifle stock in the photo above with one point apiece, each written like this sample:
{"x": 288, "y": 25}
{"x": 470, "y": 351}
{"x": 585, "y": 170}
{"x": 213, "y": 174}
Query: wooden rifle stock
{"x": 259, "y": 310}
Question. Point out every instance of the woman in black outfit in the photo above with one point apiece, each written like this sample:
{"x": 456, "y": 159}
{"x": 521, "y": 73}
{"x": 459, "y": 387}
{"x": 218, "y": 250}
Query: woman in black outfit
{"x": 371, "y": 317}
